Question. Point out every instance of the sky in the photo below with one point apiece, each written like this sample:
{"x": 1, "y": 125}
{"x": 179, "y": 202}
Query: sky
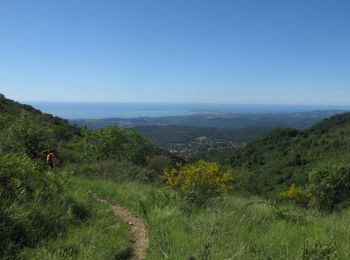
{"x": 176, "y": 51}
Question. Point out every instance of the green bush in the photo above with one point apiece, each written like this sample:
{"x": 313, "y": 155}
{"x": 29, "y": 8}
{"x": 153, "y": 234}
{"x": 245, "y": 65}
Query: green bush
{"x": 300, "y": 196}
{"x": 319, "y": 250}
{"x": 330, "y": 185}
{"x": 27, "y": 135}
{"x": 109, "y": 143}
{"x": 33, "y": 206}
{"x": 159, "y": 162}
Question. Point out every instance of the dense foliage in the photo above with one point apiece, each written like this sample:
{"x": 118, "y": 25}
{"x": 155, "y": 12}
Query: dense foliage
{"x": 298, "y": 195}
{"x": 10, "y": 111}
{"x": 111, "y": 143}
{"x": 285, "y": 156}
{"x": 27, "y": 135}
{"x": 33, "y": 205}
{"x": 199, "y": 181}
{"x": 330, "y": 185}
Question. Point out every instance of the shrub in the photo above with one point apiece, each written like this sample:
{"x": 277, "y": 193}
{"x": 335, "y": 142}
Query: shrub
{"x": 330, "y": 185}
{"x": 27, "y": 136}
{"x": 319, "y": 250}
{"x": 199, "y": 181}
{"x": 109, "y": 143}
{"x": 33, "y": 204}
{"x": 300, "y": 196}
{"x": 80, "y": 210}
{"x": 158, "y": 163}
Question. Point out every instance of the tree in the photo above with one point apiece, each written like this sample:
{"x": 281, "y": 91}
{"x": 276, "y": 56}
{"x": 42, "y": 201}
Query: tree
{"x": 27, "y": 135}
{"x": 111, "y": 142}
{"x": 330, "y": 185}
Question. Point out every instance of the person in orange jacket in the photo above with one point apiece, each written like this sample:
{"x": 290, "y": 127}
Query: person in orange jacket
{"x": 50, "y": 159}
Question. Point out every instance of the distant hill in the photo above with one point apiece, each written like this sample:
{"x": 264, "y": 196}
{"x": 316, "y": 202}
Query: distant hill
{"x": 202, "y": 134}
{"x": 300, "y": 120}
{"x": 285, "y": 156}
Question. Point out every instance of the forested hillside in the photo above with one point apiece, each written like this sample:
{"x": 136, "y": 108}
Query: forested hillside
{"x": 198, "y": 135}
{"x": 286, "y": 156}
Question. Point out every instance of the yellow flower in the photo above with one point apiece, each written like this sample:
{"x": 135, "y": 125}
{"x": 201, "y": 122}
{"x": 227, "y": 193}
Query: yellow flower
{"x": 202, "y": 179}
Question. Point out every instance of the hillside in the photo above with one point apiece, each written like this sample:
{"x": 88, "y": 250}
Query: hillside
{"x": 27, "y": 130}
{"x": 39, "y": 203}
{"x": 11, "y": 110}
{"x": 286, "y": 156}
{"x": 186, "y": 211}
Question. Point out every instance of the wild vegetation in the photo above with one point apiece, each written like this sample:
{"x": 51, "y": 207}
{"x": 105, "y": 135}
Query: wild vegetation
{"x": 38, "y": 205}
{"x": 284, "y": 196}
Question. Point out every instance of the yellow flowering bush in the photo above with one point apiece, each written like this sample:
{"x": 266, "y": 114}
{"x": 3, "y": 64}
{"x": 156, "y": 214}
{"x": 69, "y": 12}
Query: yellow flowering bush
{"x": 300, "y": 196}
{"x": 199, "y": 181}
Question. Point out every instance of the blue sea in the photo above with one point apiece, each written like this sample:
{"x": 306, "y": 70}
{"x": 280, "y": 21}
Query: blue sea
{"x": 87, "y": 110}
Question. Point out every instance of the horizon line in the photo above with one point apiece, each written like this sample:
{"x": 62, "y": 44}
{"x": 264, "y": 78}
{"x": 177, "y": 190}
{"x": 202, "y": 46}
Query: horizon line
{"x": 184, "y": 103}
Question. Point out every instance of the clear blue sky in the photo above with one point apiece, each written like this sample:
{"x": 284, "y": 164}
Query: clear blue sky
{"x": 266, "y": 52}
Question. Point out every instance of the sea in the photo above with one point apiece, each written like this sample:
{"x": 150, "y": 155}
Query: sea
{"x": 95, "y": 110}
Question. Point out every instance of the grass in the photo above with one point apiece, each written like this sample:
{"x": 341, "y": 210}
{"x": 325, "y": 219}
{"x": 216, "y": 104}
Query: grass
{"x": 101, "y": 236}
{"x": 230, "y": 228}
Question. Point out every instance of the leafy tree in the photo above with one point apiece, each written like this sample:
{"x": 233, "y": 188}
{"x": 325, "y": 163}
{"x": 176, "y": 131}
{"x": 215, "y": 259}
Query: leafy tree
{"x": 27, "y": 135}
{"x": 330, "y": 185}
{"x": 111, "y": 142}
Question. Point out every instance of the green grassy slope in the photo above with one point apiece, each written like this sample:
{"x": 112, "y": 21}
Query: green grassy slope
{"x": 102, "y": 236}
{"x": 230, "y": 228}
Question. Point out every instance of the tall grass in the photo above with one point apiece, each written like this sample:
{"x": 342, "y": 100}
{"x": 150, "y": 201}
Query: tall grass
{"x": 101, "y": 236}
{"x": 231, "y": 228}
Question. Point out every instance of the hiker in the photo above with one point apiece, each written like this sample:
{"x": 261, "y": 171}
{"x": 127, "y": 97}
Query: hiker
{"x": 51, "y": 159}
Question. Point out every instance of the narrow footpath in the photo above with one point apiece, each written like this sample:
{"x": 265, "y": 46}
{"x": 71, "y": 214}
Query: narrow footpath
{"x": 139, "y": 231}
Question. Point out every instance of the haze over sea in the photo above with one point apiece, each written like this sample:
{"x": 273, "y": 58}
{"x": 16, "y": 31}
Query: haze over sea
{"x": 90, "y": 110}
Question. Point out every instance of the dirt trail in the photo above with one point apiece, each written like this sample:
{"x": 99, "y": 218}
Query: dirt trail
{"x": 139, "y": 232}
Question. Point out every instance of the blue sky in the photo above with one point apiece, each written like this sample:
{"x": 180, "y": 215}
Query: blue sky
{"x": 262, "y": 52}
